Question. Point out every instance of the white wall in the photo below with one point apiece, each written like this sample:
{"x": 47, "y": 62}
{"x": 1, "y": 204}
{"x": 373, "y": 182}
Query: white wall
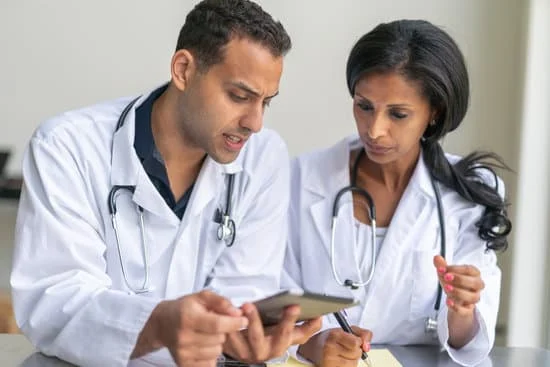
{"x": 62, "y": 54}
{"x": 529, "y": 324}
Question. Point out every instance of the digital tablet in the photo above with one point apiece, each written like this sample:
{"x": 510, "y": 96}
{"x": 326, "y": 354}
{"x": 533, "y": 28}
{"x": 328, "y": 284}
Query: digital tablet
{"x": 312, "y": 305}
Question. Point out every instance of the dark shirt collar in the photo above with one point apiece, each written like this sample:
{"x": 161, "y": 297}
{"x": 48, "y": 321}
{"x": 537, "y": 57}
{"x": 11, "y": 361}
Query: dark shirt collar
{"x": 144, "y": 143}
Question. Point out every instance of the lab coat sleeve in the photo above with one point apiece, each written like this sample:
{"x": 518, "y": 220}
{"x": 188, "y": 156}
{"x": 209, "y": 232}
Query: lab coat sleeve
{"x": 292, "y": 271}
{"x": 471, "y": 250}
{"x": 291, "y": 277}
{"x": 251, "y": 268}
{"x": 60, "y": 288}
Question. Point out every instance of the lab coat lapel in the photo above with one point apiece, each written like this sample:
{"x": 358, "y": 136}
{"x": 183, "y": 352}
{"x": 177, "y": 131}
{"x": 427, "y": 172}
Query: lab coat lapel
{"x": 321, "y": 211}
{"x": 400, "y": 241}
{"x": 127, "y": 169}
{"x": 210, "y": 184}
{"x": 324, "y": 191}
{"x": 124, "y": 161}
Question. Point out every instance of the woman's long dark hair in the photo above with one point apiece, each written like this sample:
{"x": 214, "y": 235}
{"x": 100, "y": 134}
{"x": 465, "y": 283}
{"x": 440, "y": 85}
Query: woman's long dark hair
{"x": 424, "y": 53}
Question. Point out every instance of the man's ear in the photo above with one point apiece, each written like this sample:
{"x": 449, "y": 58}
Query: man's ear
{"x": 183, "y": 67}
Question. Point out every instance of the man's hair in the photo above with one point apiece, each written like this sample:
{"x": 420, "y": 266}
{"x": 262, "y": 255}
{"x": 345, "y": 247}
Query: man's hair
{"x": 213, "y": 23}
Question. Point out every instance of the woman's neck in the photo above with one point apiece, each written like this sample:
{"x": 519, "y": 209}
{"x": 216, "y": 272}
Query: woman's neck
{"x": 394, "y": 176}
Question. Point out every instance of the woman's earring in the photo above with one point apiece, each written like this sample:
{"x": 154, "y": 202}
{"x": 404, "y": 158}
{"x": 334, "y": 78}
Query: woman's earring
{"x": 432, "y": 123}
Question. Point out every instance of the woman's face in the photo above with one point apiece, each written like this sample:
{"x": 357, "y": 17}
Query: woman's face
{"x": 391, "y": 116}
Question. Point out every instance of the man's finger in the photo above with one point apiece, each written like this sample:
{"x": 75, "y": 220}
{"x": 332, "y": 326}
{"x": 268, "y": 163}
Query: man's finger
{"x": 237, "y": 346}
{"x": 213, "y": 323}
{"x": 218, "y": 304}
{"x": 200, "y": 340}
{"x": 303, "y": 332}
{"x": 196, "y": 363}
{"x": 255, "y": 335}
{"x": 282, "y": 335}
{"x": 204, "y": 353}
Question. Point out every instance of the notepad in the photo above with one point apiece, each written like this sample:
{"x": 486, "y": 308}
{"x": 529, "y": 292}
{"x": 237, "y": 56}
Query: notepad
{"x": 379, "y": 358}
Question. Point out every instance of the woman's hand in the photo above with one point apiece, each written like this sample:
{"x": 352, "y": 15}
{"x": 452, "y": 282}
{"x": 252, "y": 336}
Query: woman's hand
{"x": 335, "y": 347}
{"x": 463, "y": 285}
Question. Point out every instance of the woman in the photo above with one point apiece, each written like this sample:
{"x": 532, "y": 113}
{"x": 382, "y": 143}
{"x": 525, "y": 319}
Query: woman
{"x": 410, "y": 87}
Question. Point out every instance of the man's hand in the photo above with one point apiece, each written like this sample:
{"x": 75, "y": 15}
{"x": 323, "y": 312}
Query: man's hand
{"x": 258, "y": 344}
{"x": 193, "y": 328}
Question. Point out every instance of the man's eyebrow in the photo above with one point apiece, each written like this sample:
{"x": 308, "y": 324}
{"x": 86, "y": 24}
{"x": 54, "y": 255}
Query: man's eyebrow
{"x": 250, "y": 90}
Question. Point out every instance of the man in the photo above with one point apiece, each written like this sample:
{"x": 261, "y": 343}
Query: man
{"x": 131, "y": 208}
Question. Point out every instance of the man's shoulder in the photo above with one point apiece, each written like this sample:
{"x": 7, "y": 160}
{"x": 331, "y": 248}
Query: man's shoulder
{"x": 267, "y": 140}
{"x": 82, "y": 122}
{"x": 266, "y": 145}
{"x": 264, "y": 154}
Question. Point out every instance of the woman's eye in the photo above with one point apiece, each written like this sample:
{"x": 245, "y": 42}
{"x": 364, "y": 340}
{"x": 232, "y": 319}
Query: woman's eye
{"x": 364, "y": 106}
{"x": 399, "y": 115}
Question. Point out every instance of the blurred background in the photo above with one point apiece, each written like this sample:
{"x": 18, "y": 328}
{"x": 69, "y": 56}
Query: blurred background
{"x": 64, "y": 54}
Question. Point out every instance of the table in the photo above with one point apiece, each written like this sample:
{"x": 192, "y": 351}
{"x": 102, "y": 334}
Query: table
{"x": 15, "y": 350}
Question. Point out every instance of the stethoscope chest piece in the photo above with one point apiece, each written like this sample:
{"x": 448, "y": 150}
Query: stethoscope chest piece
{"x": 227, "y": 231}
{"x": 431, "y": 325}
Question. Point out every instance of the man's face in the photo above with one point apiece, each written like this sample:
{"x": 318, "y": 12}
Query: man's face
{"x": 223, "y": 106}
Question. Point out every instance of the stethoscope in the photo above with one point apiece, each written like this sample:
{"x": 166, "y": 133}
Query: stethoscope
{"x": 226, "y": 229}
{"x": 431, "y": 322}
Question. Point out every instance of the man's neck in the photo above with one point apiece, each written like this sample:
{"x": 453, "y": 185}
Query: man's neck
{"x": 182, "y": 160}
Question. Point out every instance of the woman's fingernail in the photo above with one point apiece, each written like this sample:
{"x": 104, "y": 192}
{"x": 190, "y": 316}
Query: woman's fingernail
{"x": 448, "y": 277}
{"x": 448, "y": 287}
{"x": 367, "y": 347}
{"x": 441, "y": 270}
{"x": 450, "y": 302}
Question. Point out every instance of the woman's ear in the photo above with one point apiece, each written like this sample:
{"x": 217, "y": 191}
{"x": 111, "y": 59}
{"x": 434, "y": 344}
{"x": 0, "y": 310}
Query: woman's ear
{"x": 183, "y": 68}
{"x": 433, "y": 116}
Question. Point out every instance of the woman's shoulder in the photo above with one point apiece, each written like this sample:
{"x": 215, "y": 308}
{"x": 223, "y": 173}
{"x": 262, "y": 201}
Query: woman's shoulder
{"x": 482, "y": 173}
{"x": 326, "y": 157}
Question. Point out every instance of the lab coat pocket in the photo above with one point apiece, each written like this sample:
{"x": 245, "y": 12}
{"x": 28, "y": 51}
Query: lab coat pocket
{"x": 425, "y": 282}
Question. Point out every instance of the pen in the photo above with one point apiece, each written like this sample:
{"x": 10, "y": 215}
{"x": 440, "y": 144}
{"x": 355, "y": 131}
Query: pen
{"x": 347, "y": 328}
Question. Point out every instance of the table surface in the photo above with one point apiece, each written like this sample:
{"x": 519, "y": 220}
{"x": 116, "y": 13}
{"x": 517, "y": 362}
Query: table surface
{"x": 15, "y": 350}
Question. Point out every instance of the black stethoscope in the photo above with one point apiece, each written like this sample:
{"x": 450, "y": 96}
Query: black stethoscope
{"x": 431, "y": 322}
{"x": 226, "y": 230}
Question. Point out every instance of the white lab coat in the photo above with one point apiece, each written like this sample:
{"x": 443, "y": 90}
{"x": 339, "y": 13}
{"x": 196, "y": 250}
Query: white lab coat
{"x": 402, "y": 293}
{"x": 69, "y": 295}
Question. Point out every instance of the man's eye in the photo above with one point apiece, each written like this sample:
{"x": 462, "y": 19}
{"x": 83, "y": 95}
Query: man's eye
{"x": 238, "y": 98}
